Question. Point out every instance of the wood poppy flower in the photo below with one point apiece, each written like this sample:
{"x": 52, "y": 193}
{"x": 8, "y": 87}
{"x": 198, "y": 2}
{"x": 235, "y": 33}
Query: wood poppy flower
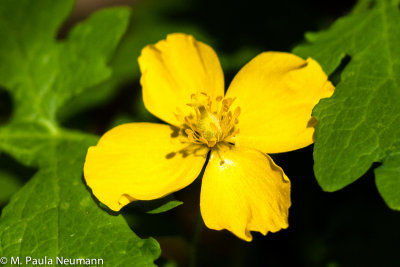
{"x": 266, "y": 109}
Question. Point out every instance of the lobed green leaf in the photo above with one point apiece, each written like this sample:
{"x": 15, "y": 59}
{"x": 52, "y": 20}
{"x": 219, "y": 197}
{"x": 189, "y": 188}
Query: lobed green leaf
{"x": 54, "y": 214}
{"x": 359, "y": 124}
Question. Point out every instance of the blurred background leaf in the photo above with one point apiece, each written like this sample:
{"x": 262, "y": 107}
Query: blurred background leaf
{"x": 9, "y": 184}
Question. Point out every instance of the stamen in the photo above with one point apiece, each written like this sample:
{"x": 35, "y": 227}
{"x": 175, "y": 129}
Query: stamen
{"x": 191, "y": 139}
{"x": 189, "y": 132}
{"x": 236, "y": 112}
{"x": 211, "y": 121}
{"x": 202, "y": 139}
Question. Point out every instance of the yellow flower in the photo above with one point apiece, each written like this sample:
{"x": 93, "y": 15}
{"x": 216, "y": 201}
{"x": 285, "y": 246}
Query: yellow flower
{"x": 267, "y": 109}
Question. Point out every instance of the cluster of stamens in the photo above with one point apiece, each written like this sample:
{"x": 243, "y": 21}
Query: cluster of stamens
{"x": 211, "y": 121}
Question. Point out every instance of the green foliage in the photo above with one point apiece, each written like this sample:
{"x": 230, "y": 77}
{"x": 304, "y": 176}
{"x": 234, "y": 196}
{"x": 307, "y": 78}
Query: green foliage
{"x": 9, "y": 184}
{"x": 359, "y": 124}
{"x": 155, "y": 206}
{"x": 54, "y": 214}
{"x": 388, "y": 182}
{"x": 166, "y": 207}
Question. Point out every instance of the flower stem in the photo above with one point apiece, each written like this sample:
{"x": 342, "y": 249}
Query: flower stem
{"x": 195, "y": 241}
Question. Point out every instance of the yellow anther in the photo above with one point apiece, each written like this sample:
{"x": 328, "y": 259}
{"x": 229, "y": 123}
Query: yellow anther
{"x": 229, "y": 116}
{"x": 190, "y": 138}
{"x": 236, "y": 113}
{"x": 210, "y": 121}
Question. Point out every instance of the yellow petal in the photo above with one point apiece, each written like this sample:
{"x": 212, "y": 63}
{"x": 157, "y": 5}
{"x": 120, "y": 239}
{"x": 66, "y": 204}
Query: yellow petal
{"x": 242, "y": 191}
{"x": 173, "y": 70}
{"x": 140, "y": 161}
{"x": 276, "y": 93}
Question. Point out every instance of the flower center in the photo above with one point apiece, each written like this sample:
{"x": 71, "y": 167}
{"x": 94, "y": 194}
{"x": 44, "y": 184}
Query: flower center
{"x": 211, "y": 121}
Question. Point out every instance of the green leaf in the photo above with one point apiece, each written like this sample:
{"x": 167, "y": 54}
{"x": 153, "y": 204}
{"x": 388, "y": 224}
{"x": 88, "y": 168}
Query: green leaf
{"x": 157, "y": 205}
{"x": 359, "y": 124}
{"x": 54, "y": 214}
{"x": 9, "y": 184}
{"x": 388, "y": 181}
{"x": 166, "y": 207}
